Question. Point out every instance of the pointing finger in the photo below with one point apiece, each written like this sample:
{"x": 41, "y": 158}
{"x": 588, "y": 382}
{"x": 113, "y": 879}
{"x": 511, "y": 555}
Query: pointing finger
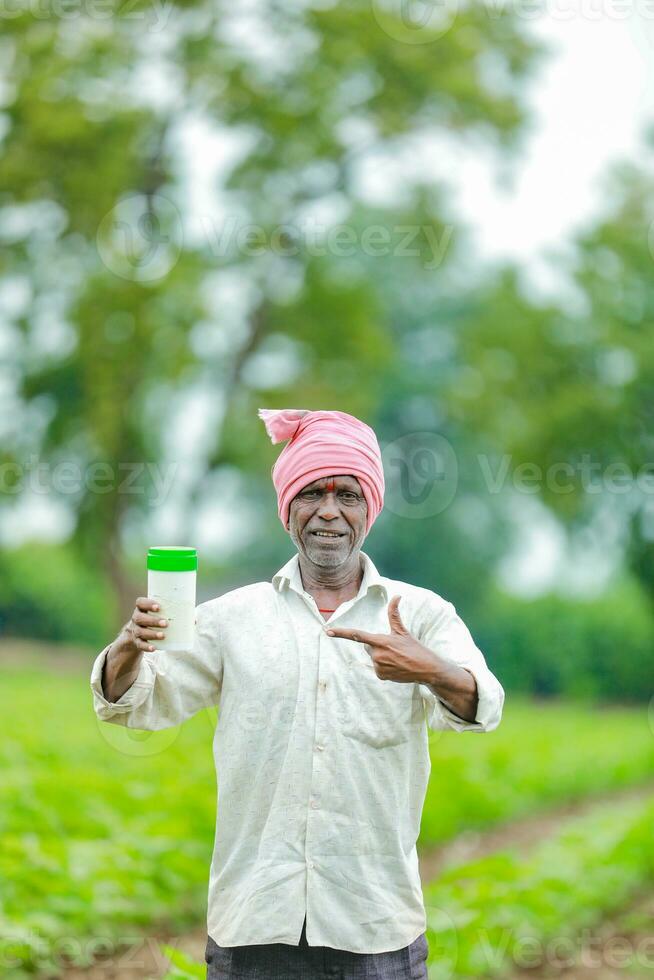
{"x": 359, "y": 636}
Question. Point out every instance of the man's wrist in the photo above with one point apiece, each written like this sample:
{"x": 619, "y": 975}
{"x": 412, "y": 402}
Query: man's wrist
{"x": 432, "y": 672}
{"x": 462, "y": 703}
{"x": 121, "y": 665}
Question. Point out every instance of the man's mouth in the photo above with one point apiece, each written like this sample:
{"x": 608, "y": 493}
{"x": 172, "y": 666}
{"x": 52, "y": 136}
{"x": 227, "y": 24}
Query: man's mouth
{"x": 327, "y": 535}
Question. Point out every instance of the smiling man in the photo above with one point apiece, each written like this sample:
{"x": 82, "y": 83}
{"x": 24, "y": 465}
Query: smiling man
{"x": 328, "y": 679}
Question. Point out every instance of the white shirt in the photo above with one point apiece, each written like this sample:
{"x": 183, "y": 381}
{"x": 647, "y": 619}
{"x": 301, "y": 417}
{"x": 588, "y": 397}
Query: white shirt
{"x": 322, "y": 767}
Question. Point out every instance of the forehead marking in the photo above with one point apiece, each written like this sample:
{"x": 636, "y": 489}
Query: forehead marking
{"x": 329, "y": 483}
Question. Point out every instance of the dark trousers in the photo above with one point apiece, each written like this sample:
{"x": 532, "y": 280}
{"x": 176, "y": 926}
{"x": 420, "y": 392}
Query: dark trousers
{"x": 281, "y": 961}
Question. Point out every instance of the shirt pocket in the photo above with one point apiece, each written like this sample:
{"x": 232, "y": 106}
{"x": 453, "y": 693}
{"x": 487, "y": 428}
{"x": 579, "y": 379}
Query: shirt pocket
{"x": 376, "y": 712}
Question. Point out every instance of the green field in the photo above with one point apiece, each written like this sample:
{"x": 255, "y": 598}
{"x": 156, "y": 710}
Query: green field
{"x": 110, "y": 831}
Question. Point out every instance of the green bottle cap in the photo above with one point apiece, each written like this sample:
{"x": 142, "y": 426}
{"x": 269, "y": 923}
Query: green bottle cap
{"x": 172, "y": 559}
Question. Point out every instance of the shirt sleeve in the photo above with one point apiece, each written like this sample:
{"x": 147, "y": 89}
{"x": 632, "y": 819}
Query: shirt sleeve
{"x": 447, "y": 635}
{"x": 169, "y": 687}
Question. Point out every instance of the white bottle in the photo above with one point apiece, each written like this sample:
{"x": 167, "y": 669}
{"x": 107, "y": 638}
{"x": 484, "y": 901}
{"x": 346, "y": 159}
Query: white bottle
{"x": 172, "y": 576}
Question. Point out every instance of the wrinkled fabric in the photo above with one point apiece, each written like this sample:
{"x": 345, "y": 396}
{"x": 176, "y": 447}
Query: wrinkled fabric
{"x": 322, "y": 768}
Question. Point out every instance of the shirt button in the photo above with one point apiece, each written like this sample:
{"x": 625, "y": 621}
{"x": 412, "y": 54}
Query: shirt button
{"x": 314, "y": 804}
{"x": 320, "y": 748}
{"x": 322, "y": 685}
{"x": 310, "y": 865}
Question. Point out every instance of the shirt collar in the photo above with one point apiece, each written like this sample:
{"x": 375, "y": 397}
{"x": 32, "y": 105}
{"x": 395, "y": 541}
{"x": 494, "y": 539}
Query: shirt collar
{"x": 289, "y": 576}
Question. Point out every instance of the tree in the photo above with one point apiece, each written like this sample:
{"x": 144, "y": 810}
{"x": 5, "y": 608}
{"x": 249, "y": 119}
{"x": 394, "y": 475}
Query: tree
{"x": 569, "y": 387}
{"x": 92, "y": 155}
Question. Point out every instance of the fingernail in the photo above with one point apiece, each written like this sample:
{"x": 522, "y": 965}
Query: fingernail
{"x": 162, "y": 622}
{"x": 155, "y": 607}
{"x": 330, "y": 633}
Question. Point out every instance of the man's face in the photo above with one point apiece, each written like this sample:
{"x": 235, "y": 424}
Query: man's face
{"x": 333, "y": 503}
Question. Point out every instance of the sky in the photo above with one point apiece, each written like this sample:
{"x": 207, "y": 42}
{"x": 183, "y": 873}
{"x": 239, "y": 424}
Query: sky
{"x": 590, "y": 100}
{"x": 590, "y": 103}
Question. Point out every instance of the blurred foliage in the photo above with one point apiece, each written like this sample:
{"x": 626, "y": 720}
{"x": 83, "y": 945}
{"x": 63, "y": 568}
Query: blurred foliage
{"x": 184, "y": 968}
{"x": 508, "y": 910}
{"x": 308, "y": 105}
{"x": 104, "y": 352}
{"x": 600, "y": 648}
{"x": 329, "y": 104}
{"x": 107, "y": 831}
{"x": 47, "y": 593}
{"x": 571, "y": 384}
{"x": 556, "y": 763}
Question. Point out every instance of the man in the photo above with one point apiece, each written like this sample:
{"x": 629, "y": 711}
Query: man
{"x": 327, "y": 679}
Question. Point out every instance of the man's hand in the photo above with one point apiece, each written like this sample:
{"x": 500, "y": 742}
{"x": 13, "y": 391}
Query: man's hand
{"x": 144, "y": 624}
{"x": 398, "y": 656}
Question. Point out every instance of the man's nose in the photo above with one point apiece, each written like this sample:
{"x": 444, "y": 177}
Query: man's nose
{"x": 328, "y": 506}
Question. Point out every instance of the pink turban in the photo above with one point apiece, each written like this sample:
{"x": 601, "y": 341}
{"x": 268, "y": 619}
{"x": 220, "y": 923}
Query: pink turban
{"x": 323, "y": 444}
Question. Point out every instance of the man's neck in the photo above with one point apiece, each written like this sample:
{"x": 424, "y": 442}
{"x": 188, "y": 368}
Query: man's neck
{"x": 332, "y": 586}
